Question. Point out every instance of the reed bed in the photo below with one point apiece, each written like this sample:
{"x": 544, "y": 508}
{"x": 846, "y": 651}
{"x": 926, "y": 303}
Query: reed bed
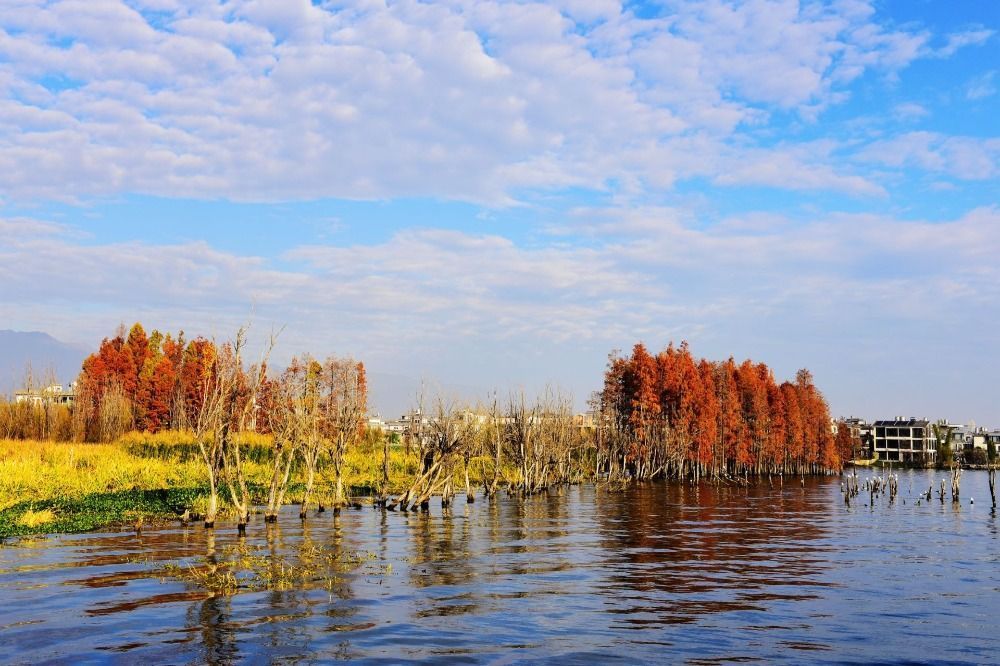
{"x": 71, "y": 486}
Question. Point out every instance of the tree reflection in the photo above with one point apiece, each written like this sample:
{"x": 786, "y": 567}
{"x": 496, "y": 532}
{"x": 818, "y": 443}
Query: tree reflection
{"x": 212, "y": 618}
{"x": 686, "y": 550}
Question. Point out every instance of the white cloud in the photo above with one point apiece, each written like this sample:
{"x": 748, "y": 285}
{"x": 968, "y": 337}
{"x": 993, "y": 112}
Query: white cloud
{"x": 910, "y": 111}
{"x": 968, "y": 158}
{"x": 959, "y": 40}
{"x": 646, "y": 268}
{"x": 263, "y": 100}
{"x": 981, "y": 87}
{"x": 481, "y": 309}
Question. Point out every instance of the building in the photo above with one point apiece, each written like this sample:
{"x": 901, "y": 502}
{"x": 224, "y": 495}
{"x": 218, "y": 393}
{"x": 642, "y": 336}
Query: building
{"x": 53, "y": 394}
{"x": 863, "y": 435}
{"x": 406, "y": 423}
{"x": 975, "y": 438}
{"x": 905, "y": 440}
{"x": 586, "y": 420}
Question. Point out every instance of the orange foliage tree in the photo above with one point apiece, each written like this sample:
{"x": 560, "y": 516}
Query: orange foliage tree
{"x": 161, "y": 379}
{"x": 674, "y": 415}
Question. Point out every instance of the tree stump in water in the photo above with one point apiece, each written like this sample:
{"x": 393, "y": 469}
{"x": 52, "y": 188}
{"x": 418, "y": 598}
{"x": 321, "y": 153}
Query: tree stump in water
{"x": 992, "y": 472}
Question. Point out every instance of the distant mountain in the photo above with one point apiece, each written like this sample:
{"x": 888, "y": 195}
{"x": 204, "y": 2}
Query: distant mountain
{"x": 42, "y": 353}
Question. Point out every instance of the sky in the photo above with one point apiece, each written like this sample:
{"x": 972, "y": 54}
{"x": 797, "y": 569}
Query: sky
{"x": 499, "y": 194}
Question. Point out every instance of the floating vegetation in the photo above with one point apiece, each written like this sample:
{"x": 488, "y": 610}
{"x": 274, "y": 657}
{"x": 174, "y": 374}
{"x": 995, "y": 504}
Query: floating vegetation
{"x": 32, "y": 519}
{"x": 81, "y": 514}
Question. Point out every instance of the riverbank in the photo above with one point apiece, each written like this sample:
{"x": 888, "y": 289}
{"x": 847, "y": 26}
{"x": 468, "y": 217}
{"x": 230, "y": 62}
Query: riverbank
{"x": 142, "y": 479}
{"x": 54, "y": 487}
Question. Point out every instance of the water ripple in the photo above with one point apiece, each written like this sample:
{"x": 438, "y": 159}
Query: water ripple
{"x": 658, "y": 573}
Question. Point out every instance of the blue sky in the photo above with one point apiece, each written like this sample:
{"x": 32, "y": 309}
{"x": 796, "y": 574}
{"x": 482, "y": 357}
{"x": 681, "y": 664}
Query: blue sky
{"x": 496, "y": 194}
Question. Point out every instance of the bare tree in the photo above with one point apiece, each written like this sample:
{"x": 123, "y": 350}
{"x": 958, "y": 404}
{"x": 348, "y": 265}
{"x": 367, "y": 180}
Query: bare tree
{"x": 344, "y": 407}
{"x": 522, "y": 440}
{"x": 308, "y": 416}
{"x": 230, "y": 397}
{"x": 114, "y": 413}
{"x": 209, "y": 415}
{"x": 447, "y": 432}
{"x": 495, "y": 435}
{"x": 284, "y": 398}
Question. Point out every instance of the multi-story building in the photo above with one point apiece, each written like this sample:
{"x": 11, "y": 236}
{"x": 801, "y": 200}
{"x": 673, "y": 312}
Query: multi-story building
{"x": 905, "y": 440}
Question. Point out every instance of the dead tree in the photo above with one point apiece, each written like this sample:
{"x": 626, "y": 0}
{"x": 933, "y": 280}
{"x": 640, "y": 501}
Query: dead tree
{"x": 310, "y": 443}
{"x": 383, "y": 497}
{"x": 494, "y": 432}
{"x": 239, "y": 400}
{"x": 343, "y": 406}
{"x": 209, "y": 415}
{"x": 284, "y": 398}
{"x": 228, "y": 398}
{"x": 521, "y": 434}
{"x": 446, "y": 435}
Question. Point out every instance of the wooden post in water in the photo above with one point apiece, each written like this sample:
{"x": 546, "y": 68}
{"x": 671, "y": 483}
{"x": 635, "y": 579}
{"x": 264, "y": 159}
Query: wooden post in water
{"x": 384, "y": 491}
{"x": 992, "y": 472}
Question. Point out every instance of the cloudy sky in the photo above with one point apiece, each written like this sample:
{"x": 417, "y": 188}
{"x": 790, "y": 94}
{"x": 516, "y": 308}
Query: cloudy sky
{"x": 497, "y": 194}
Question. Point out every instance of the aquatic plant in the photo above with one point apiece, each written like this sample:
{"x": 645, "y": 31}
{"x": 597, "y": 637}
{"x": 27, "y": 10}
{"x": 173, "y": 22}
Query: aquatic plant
{"x": 33, "y": 519}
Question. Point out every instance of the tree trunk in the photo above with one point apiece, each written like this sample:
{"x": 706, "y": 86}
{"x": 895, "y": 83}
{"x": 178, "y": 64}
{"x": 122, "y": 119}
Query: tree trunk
{"x": 279, "y": 484}
{"x": 339, "y": 500}
{"x": 213, "y": 502}
{"x": 469, "y": 497}
{"x": 310, "y": 479}
{"x": 385, "y": 470}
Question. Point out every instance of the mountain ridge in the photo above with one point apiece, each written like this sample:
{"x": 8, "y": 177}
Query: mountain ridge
{"x": 39, "y": 352}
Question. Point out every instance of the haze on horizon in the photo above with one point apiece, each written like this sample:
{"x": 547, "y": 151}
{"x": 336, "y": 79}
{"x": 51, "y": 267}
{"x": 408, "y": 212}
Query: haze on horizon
{"x": 498, "y": 194}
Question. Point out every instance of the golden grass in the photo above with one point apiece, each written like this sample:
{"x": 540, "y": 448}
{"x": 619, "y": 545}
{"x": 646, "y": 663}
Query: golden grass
{"x": 38, "y": 470}
{"x": 34, "y": 519}
{"x": 167, "y": 439}
{"x": 32, "y": 470}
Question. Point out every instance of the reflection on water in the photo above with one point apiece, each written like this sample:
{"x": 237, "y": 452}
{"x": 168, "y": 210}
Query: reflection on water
{"x": 660, "y": 572}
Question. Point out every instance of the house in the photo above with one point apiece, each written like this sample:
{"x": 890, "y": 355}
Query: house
{"x": 976, "y": 439}
{"x": 53, "y": 394}
{"x": 967, "y": 437}
{"x": 863, "y": 435}
{"x": 905, "y": 440}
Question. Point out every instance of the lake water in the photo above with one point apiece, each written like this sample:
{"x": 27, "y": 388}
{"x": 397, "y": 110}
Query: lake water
{"x": 658, "y": 573}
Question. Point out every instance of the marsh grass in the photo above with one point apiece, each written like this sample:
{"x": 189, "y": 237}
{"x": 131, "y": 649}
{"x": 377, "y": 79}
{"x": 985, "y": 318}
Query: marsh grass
{"x": 33, "y": 519}
{"x": 159, "y": 476}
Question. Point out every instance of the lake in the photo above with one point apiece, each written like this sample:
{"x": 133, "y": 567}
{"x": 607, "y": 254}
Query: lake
{"x": 660, "y": 572}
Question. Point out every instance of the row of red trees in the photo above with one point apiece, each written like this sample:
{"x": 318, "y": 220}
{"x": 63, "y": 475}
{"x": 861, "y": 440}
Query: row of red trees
{"x": 158, "y": 382}
{"x": 672, "y": 414}
{"x": 141, "y": 382}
